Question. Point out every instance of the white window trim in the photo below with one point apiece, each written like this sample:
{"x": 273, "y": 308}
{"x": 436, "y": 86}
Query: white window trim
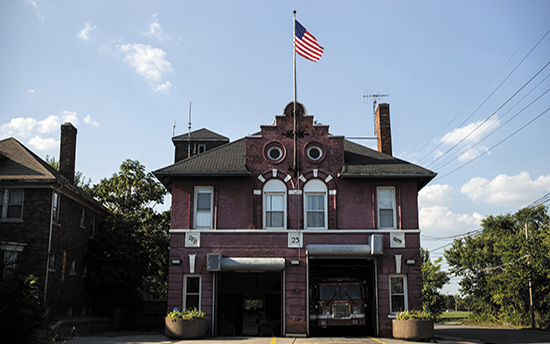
{"x": 405, "y": 291}
{"x": 316, "y": 187}
{"x": 274, "y": 187}
{"x": 184, "y": 299}
{"x": 378, "y": 189}
{"x": 198, "y": 189}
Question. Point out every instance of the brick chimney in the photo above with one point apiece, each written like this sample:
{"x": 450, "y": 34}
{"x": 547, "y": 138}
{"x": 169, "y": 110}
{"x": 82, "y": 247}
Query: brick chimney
{"x": 383, "y": 128}
{"x": 67, "y": 152}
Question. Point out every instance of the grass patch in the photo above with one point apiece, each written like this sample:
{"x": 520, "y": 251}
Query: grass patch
{"x": 454, "y": 316}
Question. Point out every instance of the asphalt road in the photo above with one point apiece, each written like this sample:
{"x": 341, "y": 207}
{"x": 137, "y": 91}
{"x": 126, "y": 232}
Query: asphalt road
{"x": 492, "y": 335}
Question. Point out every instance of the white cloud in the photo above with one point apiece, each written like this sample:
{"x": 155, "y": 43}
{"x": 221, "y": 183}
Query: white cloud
{"x": 155, "y": 31}
{"x": 84, "y": 34}
{"x": 30, "y": 91}
{"x": 36, "y": 7}
{"x": 149, "y": 62}
{"x": 88, "y": 120}
{"x": 27, "y": 127}
{"x": 39, "y": 143}
{"x": 164, "y": 87}
{"x": 439, "y": 221}
{"x": 517, "y": 191}
{"x": 437, "y": 194}
{"x": 468, "y": 137}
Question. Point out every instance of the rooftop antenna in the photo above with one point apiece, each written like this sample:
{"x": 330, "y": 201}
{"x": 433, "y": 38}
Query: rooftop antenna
{"x": 375, "y": 98}
{"x": 174, "y": 129}
{"x": 189, "y": 134}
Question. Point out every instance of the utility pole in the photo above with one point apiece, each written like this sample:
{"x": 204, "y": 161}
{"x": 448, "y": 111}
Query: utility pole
{"x": 531, "y": 310}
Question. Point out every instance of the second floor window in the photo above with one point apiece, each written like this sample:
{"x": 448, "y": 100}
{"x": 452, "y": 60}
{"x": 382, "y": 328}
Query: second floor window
{"x": 275, "y": 205}
{"x": 55, "y": 207}
{"x": 386, "y": 207}
{"x": 203, "y": 207}
{"x": 315, "y": 205}
{"x": 11, "y": 203}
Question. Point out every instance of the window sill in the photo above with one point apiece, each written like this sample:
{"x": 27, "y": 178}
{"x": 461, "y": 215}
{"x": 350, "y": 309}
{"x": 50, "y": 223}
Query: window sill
{"x": 392, "y": 316}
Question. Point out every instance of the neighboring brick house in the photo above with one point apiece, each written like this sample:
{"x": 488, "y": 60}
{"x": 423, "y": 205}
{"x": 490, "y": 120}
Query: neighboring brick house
{"x": 47, "y": 223}
{"x": 273, "y": 237}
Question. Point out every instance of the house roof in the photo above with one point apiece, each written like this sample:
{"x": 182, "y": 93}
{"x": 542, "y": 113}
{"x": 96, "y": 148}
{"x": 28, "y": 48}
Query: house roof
{"x": 359, "y": 162}
{"x": 201, "y": 135}
{"x": 18, "y": 165}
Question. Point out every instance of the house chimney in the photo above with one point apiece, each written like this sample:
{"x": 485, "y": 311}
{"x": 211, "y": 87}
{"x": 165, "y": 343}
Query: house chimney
{"x": 67, "y": 152}
{"x": 383, "y": 128}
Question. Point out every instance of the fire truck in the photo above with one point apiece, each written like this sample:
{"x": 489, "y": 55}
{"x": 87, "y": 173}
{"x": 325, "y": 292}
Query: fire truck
{"x": 338, "y": 302}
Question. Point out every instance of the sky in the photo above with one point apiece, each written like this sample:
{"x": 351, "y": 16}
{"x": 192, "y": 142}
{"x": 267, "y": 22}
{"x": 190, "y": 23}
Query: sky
{"x": 465, "y": 81}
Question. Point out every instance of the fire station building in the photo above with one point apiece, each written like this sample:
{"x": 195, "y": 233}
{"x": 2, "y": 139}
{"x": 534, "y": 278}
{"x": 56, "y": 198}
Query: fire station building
{"x": 294, "y": 231}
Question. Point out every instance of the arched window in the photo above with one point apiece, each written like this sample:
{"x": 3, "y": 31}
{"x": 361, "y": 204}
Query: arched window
{"x": 315, "y": 207}
{"x": 274, "y": 200}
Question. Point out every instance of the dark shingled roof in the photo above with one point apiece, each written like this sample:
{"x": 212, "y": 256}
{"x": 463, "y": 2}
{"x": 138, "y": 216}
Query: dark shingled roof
{"x": 228, "y": 159}
{"x": 19, "y": 163}
{"x": 359, "y": 162}
{"x": 201, "y": 135}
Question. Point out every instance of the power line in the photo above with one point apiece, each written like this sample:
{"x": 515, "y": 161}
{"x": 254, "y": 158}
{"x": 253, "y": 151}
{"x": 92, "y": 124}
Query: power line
{"x": 494, "y": 91}
{"x": 498, "y": 144}
{"x": 480, "y": 74}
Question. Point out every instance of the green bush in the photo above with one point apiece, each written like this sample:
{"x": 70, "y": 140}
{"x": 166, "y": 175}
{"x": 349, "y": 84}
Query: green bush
{"x": 414, "y": 315}
{"x": 21, "y": 314}
{"x": 187, "y": 314}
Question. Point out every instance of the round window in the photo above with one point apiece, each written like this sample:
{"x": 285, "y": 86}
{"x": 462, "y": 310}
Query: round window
{"x": 275, "y": 153}
{"x": 314, "y": 153}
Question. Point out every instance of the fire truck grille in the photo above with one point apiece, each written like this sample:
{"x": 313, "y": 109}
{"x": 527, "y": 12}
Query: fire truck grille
{"x": 341, "y": 310}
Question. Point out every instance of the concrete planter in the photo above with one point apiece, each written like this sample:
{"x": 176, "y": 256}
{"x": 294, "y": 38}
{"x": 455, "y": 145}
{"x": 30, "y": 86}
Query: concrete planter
{"x": 185, "y": 329}
{"x": 413, "y": 329}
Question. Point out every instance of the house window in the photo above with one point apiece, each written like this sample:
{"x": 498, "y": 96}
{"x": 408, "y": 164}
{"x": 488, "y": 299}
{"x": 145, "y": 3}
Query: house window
{"x": 11, "y": 201}
{"x": 398, "y": 293}
{"x": 51, "y": 265}
{"x": 275, "y": 205}
{"x": 192, "y": 292}
{"x": 73, "y": 268}
{"x": 203, "y": 207}
{"x": 83, "y": 218}
{"x": 202, "y": 149}
{"x": 315, "y": 205}
{"x": 55, "y": 207}
{"x": 386, "y": 207}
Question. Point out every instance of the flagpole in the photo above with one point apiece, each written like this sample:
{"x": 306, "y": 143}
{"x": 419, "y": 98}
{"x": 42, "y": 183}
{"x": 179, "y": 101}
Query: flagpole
{"x": 295, "y": 99}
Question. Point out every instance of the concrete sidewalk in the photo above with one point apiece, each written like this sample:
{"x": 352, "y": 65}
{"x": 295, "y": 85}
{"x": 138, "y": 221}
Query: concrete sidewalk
{"x": 153, "y": 337}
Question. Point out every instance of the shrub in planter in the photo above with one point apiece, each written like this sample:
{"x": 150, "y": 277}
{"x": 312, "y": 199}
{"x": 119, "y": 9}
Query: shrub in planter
{"x": 185, "y": 324}
{"x": 413, "y": 325}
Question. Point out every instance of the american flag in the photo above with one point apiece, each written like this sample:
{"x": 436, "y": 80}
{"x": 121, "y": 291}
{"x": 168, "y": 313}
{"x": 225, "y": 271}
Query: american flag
{"x": 306, "y": 45}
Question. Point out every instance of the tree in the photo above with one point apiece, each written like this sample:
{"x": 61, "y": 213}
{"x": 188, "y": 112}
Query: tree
{"x": 130, "y": 256}
{"x": 497, "y": 264}
{"x": 433, "y": 279}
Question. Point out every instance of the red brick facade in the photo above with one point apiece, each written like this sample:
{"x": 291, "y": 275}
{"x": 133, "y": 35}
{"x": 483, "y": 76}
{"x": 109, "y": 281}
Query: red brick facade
{"x": 347, "y": 177}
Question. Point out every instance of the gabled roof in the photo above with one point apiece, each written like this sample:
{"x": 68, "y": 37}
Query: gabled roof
{"x": 359, "y": 162}
{"x": 201, "y": 135}
{"x": 18, "y": 164}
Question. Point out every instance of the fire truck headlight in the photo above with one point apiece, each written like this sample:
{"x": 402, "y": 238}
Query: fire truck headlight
{"x": 326, "y": 310}
{"x": 356, "y": 310}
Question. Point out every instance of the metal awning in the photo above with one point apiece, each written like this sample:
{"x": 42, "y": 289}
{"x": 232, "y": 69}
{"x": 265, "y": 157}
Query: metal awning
{"x": 241, "y": 264}
{"x": 354, "y": 251}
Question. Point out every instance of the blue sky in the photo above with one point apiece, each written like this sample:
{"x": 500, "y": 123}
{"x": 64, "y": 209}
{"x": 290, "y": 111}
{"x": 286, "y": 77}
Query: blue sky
{"x": 123, "y": 71}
